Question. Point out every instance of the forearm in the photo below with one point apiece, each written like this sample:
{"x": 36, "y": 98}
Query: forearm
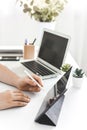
{"x": 8, "y": 77}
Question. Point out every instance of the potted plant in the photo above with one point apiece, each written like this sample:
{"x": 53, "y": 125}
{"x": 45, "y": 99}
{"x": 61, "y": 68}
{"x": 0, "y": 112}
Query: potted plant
{"x": 78, "y": 75}
{"x": 43, "y": 10}
{"x": 65, "y": 67}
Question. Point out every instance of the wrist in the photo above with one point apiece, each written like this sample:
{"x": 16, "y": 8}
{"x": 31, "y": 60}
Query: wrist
{"x": 16, "y": 81}
{"x": 19, "y": 83}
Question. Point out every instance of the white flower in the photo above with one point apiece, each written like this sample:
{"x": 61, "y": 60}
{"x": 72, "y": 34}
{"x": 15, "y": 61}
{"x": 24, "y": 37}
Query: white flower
{"x": 43, "y": 10}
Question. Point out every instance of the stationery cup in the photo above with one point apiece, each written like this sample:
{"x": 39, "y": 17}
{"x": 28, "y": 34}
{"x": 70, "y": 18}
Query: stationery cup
{"x": 29, "y": 51}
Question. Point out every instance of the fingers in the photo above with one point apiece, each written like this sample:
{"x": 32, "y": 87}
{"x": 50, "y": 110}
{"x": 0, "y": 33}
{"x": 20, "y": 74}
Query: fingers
{"x": 30, "y": 82}
{"x": 31, "y": 86}
{"x": 17, "y": 91}
{"x": 9, "y": 99}
{"x": 18, "y": 104}
{"x": 34, "y": 89}
{"x": 21, "y": 97}
{"x": 38, "y": 79}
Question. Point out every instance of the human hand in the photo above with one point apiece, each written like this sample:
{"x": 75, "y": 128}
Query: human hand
{"x": 9, "y": 99}
{"x": 28, "y": 84}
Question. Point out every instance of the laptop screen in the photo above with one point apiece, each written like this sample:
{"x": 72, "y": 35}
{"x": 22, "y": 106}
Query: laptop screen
{"x": 53, "y": 48}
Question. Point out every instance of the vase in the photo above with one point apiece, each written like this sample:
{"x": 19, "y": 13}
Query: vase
{"x": 39, "y": 27}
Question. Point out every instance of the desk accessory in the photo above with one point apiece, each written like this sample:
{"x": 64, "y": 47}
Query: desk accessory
{"x": 77, "y": 77}
{"x": 33, "y": 41}
{"x": 9, "y": 58}
{"x": 52, "y": 104}
{"x": 10, "y": 54}
{"x": 51, "y": 114}
{"x": 29, "y": 51}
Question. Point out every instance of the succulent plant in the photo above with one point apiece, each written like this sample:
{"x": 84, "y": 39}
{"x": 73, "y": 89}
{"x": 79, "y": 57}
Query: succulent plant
{"x": 43, "y": 10}
{"x": 78, "y": 73}
{"x": 65, "y": 67}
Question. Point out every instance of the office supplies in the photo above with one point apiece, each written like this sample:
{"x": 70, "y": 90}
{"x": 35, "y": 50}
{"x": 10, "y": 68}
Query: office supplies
{"x": 32, "y": 78}
{"x": 34, "y": 41}
{"x": 52, "y": 104}
{"x": 51, "y": 54}
{"x": 9, "y": 58}
{"x": 26, "y": 41}
{"x": 29, "y": 51}
{"x": 10, "y": 53}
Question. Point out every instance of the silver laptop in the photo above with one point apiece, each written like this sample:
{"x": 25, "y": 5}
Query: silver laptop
{"x": 51, "y": 55}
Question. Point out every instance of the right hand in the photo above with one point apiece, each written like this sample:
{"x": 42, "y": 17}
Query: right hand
{"x": 26, "y": 84}
{"x": 16, "y": 98}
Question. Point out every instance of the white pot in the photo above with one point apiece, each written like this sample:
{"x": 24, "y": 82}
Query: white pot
{"x": 77, "y": 82}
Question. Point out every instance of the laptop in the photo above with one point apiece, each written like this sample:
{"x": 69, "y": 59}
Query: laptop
{"x": 51, "y": 106}
{"x": 51, "y": 55}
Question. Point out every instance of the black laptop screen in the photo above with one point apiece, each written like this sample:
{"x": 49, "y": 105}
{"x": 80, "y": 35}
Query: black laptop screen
{"x": 53, "y": 48}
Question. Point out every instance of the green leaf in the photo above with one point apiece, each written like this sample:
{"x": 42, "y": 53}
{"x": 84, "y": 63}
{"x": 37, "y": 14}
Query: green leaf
{"x": 32, "y": 2}
{"x": 47, "y": 1}
{"x": 25, "y": 6}
{"x": 78, "y": 73}
{"x": 65, "y": 67}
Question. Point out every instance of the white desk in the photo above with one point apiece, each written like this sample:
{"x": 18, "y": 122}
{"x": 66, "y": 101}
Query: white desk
{"x": 73, "y": 114}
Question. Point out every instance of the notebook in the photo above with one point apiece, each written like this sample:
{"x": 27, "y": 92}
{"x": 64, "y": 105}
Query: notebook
{"x": 51, "y": 55}
{"x": 51, "y": 106}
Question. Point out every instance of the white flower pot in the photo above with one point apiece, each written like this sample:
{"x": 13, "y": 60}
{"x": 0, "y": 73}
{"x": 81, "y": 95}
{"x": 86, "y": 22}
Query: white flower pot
{"x": 77, "y": 82}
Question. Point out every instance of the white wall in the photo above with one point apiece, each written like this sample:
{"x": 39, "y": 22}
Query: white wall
{"x": 73, "y": 21}
{"x": 15, "y": 26}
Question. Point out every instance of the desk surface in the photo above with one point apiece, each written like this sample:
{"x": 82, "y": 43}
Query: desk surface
{"x": 73, "y": 114}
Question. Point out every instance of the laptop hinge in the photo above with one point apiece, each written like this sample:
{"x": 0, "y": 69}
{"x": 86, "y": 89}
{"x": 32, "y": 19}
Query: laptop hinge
{"x": 46, "y": 66}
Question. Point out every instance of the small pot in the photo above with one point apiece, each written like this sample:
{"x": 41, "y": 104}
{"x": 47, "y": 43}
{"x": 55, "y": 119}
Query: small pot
{"x": 77, "y": 82}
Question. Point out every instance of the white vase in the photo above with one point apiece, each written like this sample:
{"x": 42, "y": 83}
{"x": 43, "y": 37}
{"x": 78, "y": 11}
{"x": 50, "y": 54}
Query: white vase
{"x": 39, "y": 27}
{"x": 49, "y": 25}
{"x": 77, "y": 82}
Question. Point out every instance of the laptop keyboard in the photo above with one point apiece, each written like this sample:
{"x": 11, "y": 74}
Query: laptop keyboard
{"x": 37, "y": 68}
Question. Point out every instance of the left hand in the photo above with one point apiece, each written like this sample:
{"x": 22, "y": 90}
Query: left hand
{"x": 28, "y": 85}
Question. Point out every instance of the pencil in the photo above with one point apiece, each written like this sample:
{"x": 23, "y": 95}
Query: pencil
{"x": 34, "y": 41}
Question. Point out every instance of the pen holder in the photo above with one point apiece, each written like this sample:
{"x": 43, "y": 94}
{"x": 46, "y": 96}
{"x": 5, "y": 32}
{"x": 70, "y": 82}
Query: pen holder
{"x": 29, "y": 51}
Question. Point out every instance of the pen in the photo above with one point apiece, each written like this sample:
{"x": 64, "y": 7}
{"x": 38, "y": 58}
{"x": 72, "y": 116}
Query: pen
{"x": 26, "y": 41}
{"x": 32, "y": 78}
{"x": 34, "y": 41}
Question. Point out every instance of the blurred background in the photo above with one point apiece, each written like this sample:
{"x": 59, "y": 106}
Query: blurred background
{"x": 15, "y": 26}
